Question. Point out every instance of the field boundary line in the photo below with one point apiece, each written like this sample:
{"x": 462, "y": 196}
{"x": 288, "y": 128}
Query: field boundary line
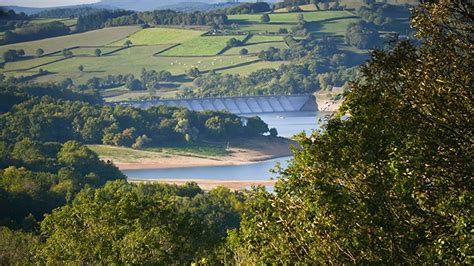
{"x": 40, "y": 65}
{"x": 166, "y": 49}
{"x": 227, "y": 47}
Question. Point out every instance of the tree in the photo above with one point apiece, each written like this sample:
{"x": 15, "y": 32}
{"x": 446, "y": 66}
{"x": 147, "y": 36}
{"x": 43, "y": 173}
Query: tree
{"x": 67, "y": 53}
{"x": 81, "y": 68}
{"x": 134, "y": 85}
{"x": 39, "y": 52}
{"x": 325, "y": 6}
{"x": 98, "y": 52}
{"x": 265, "y": 18}
{"x": 13, "y": 55}
{"x": 128, "y": 43}
{"x": 244, "y": 51}
{"x": 141, "y": 224}
{"x": 17, "y": 247}
{"x": 21, "y": 52}
{"x": 233, "y": 42}
{"x": 193, "y": 72}
{"x": 273, "y": 132}
{"x": 256, "y": 126}
{"x": 362, "y": 35}
{"x": 390, "y": 179}
{"x": 300, "y": 19}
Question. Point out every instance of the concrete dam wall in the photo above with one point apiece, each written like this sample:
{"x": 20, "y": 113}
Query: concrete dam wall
{"x": 239, "y": 105}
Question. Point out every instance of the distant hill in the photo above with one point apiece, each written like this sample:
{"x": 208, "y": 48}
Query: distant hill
{"x": 36, "y": 10}
{"x": 144, "y": 5}
{"x": 26, "y": 10}
{"x": 197, "y": 6}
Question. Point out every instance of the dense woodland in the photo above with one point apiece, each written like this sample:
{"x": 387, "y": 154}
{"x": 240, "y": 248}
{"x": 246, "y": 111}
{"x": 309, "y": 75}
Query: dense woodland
{"x": 107, "y": 18}
{"x": 38, "y": 117}
{"x": 247, "y": 8}
{"x": 35, "y": 32}
{"x": 388, "y": 180}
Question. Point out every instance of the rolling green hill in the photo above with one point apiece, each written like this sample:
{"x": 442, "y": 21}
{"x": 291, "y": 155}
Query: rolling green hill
{"x": 175, "y": 49}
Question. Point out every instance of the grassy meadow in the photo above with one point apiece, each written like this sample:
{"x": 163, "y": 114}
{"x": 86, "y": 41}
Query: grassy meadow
{"x": 132, "y": 60}
{"x": 154, "y": 36}
{"x": 123, "y": 154}
{"x": 255, "y": 48}
{"x": 201, "y": 46}
{"x": 91, "y": 38}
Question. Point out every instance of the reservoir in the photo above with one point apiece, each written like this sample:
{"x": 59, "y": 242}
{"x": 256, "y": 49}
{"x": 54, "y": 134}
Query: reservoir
{"x": 287, "y": 125}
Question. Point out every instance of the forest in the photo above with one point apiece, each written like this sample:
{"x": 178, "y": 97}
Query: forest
{"x": 387, "y": 181}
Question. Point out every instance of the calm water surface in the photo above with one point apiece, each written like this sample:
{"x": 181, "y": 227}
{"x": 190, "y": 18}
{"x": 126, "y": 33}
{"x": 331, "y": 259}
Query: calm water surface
{"x": 287, "y": 125}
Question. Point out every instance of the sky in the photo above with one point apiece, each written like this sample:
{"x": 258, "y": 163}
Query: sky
{"x": 45, "y": 3}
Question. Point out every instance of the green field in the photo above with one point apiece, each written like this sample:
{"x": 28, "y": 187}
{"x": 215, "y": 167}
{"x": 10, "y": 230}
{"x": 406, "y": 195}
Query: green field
{"x": 309, "y": 7}
{"x": 91, "y": 38}
{"x": 153, "y": 36}
{"x": 132, "y": 60}
{"x": 264, "y": 38}
{"x": 201, "y": 46}
{"x": 258, "y": 28}
{"x": 123, "y": 94}
{"x": 256, "y": 47}
{"x": 90, "y": 51}
{"x": 290, "y": 17}
{"x": 123, "y": 154}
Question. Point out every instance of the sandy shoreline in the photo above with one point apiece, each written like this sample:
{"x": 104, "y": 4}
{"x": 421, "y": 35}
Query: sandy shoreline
{"x": 210, "y": 184}
{"x": 256, "y": 150}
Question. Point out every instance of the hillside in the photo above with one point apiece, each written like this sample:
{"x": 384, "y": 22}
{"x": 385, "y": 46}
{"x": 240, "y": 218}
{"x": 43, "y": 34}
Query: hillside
{"x": 241, "y": 46}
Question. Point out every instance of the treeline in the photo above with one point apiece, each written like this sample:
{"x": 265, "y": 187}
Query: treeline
{"x": 9, "y": 20}
{"x": 247, "y": 8}
{"x": 148, "y": 80}
{"x": 12, "y": 93}
{"x": 287, "y": 79}
{"x": 117, "y": 125}
{"x": 96, "y": 20}
{"x": 292, "y": 3}
{"x": 72, "y": 12}
{"x": 35, "y": 32}
{"x": 382, "y": 14}
{"x": 107, "y": 18}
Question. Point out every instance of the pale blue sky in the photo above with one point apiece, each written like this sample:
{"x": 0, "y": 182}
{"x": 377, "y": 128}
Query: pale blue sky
{"x": 45, "y": 3}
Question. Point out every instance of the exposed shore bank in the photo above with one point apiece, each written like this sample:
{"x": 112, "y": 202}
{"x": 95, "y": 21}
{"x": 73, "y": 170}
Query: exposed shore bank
{"x": 241, "y": 151}
{"x": 206, "y": 184}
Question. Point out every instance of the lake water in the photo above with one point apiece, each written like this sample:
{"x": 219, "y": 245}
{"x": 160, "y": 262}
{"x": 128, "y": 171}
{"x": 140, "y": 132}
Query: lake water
{"x": 287, "y": 125}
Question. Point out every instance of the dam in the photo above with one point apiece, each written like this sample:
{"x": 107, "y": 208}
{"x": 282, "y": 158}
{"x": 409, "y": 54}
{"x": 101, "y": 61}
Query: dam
{"x": 239, "y": 104}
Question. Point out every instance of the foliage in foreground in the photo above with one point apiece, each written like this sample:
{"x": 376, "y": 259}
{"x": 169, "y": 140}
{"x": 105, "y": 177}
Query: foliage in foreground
{"x": 392, "y": 182}
{"x": 141, "y": 224}
{"x": 36, "y": 177}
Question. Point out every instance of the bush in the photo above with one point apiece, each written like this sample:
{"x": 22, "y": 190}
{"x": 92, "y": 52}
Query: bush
{"x": 244, "y": 51}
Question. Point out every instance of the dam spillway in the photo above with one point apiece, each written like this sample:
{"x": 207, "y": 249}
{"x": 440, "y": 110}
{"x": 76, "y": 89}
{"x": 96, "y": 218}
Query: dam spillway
{"x": 239, "y": 105}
